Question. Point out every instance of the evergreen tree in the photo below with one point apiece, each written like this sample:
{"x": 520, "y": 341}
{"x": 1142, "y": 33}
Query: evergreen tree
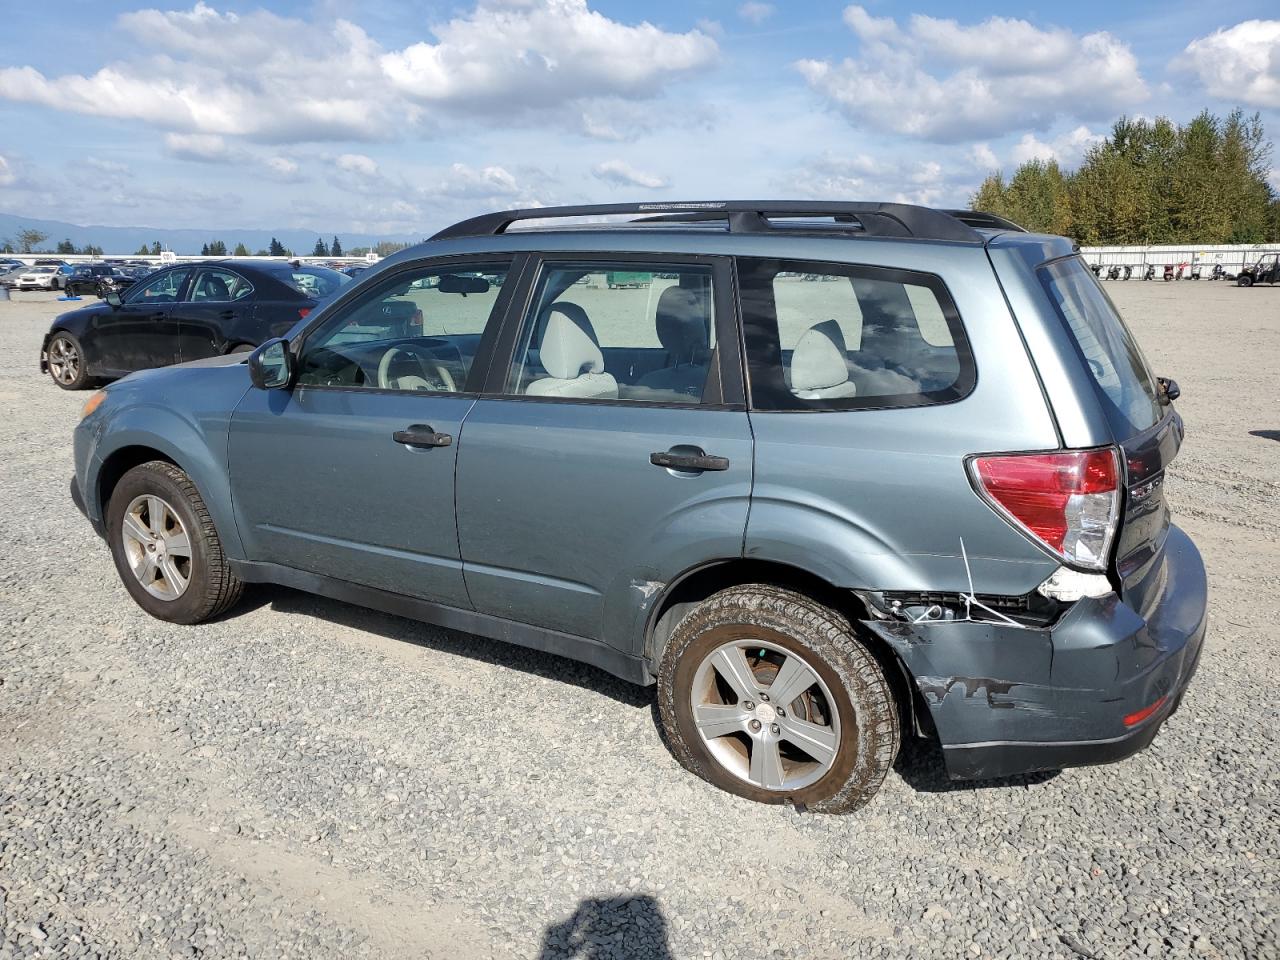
{"x": 156, "y": 249}
{"x": 217, "y": 249}
{"x": 204, "y": 250}
{"x": 335, "y": 249}
{"x": 276, "y": 249}
{"x": 241, "y": 250}
{"x": 143, "y": 251}
{"x": 321, "y": 250}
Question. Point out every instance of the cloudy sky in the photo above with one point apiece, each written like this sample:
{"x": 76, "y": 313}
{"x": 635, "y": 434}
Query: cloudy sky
{"x": 389, "y": 116}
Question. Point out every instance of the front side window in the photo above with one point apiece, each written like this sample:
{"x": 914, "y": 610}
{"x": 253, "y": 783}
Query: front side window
{"x": 836, "y": 336}
{"x": 418, "y": 330}
{"x": 617, "y": 331}
{"x": 164, "y": 288}
{"x": 1125, "y": 384}
{"x": 219, "y": 286}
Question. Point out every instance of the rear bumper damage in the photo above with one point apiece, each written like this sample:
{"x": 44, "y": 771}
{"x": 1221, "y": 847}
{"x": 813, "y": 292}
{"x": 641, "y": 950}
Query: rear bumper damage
{"x": 1092, "y": 688}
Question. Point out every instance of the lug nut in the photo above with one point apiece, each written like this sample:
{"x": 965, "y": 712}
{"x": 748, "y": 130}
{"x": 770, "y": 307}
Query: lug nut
{"x": 748, "y": 705}
{"x": 764, "y": 697}
{"x": 782, "y": 713}
{"x": 774, "y": 729}
{"x": 755, "y": 726}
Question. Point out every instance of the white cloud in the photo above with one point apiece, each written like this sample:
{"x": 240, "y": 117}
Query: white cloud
{"x": 461, "y": 180}
{"x": 1240, "y": 64}
{"x": 108, "y": 167}
{"x": 282, "y": 166}
{"x": 1067, "y": 149}
{"x": 277, "y": 79}
{"x": 943, "y": 81}
{"x": 7, "y": 176}
{"x": 983, "y": 157}
{"x": 622, "y": 174}
{"x": 358, "y": 163}
{"x": 756, "y": 12}
{"x": 201, "y": 147}
{"x": 863, "y": 177}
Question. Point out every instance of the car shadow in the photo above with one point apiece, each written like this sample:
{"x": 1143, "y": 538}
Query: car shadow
{"x": 1265, "y": 434}
{"x": 548, "y": 665}
{"x": 609, "y": 928}
{"x": 921, "y": 766}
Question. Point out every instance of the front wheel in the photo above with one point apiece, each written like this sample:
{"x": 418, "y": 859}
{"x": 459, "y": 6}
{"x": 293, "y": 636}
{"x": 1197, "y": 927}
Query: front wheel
{"x": 769, "y": 695}
{"x": 166, "y": 548}
{"x": 1244, "y": 281}
{"x": 64, "y": 358}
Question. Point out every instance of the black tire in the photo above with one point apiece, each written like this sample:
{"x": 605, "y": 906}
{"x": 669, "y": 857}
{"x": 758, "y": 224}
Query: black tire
{"x": 212, "y": 588}
{"x": 67, "y": 373}
{"x": 864, "y": 702}
{"x": 242, "y": 348}
{"x": 1244, "y": 281}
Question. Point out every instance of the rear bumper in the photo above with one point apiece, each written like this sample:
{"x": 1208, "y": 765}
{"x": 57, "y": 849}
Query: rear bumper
{"x": 1007, "y": 700}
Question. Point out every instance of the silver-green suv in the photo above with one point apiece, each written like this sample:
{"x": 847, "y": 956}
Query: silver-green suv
{"x": 826, "y": 473}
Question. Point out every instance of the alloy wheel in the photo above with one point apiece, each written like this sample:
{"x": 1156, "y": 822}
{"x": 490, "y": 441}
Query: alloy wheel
{"x": 765, "y": 715}
{"x": 157, "y": 547}
{"x": 64, "y": 360}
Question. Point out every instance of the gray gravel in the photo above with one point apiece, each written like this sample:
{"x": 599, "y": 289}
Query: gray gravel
{"x": 308, "y": 779}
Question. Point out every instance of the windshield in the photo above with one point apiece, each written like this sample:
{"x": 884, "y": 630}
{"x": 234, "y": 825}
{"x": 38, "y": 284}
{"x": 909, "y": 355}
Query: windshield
{"x": 1125, "y": 384}
{"x": 317, "y": 282}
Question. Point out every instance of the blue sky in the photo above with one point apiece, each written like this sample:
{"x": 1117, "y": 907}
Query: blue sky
{"x": 398, "y": 117}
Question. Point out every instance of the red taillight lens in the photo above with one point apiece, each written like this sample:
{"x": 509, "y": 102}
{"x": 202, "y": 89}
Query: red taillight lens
{"x": 1068, "y": 501}
{"x": 1135, "y": 718}
{"x": 302, "y": 312}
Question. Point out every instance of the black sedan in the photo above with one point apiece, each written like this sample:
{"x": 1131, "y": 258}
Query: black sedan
{"x": 181, "y": 313}
{"x": 97, "y": 279}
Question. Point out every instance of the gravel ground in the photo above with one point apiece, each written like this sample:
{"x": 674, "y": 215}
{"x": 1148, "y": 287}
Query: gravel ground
{"x": 309, "y": 779}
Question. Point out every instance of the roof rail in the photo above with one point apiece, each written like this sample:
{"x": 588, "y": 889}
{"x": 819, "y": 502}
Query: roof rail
{"x": 745, "y": 216}
{"x": 982, "y": 219}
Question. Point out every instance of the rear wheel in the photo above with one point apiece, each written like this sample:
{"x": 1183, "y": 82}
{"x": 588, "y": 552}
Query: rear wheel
{"x": 165, "y": 547}
{"x": 65, "y": 360}
{"x": 769, "y": 695}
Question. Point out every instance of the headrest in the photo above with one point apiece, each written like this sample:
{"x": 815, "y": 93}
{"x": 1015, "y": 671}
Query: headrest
{"x": 819, "y": 359}
{"x": 216, "y": 288}
{"x": 567, "y": 350}
{"x": 681, "y": 319}
{"x": 574, "y": 313}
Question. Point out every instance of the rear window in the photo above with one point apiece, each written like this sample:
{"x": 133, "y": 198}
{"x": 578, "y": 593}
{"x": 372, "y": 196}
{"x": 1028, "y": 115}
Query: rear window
{"x": 315, "y": 282}
{"x": 1126, "y": 388}
{"x": 824, "y": 336}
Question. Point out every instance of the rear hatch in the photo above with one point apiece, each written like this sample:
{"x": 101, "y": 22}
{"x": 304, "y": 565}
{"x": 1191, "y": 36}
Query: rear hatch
{"x": 1147, "y": 431}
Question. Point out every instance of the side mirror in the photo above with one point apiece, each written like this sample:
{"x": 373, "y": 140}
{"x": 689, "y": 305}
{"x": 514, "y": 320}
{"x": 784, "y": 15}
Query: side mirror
{"x": 1169, "y": 390}
{"x": 271, "y": 365}
{"x": 113, "y": 298}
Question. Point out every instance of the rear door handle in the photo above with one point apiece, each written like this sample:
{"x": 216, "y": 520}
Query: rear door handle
{"x": 421, "y": 435}
{"x": 688, "y": 461}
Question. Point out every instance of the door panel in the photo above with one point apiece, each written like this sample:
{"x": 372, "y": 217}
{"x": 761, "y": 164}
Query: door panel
{"x": 142, "y": 332}
{"x": 564, "y": 522}
{"x": 321, "y": 485}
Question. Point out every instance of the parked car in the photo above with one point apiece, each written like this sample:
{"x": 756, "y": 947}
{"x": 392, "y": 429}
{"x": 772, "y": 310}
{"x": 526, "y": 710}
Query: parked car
{"x": 9, "y": 275}
{"x": 97, "y": 279}
{"x": 923, "y": 497}
{"x": 1266, "y": 270}
{"x": 185, "y": 312}
{"x": 40, "y": 278}
{"x": 9, "y": 263}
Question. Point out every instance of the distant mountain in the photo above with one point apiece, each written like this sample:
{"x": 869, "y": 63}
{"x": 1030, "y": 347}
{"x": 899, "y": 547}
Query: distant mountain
{"x": 125, "y": 240}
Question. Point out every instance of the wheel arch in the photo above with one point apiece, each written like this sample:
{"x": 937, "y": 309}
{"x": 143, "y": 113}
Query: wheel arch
{"x": 684, "y": 592}
{"x": 121, "y": 461}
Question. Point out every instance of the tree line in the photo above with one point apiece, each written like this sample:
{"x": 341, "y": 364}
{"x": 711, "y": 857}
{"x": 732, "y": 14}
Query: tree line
{"x": 1150, "y": 182}
{"x": 28, "y": 241}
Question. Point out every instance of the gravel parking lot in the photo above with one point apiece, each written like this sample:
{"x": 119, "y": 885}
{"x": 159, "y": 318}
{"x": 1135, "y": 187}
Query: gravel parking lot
{"x": 309, "y": 779}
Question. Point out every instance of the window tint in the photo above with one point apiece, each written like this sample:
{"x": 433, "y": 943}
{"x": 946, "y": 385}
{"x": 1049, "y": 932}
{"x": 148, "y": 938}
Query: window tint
{"x": 163, "y": 288}
{"x": 316, "y": 282}
{"x": 823, "y": 335}
{"x": 1125, "y": 383}
{"x": 220, "y": 286}
{"x": 622, "y": 331}
{"x": 418, "y": 330}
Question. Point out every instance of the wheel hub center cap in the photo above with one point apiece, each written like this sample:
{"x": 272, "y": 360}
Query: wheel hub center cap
{"x": 765, "y": 713}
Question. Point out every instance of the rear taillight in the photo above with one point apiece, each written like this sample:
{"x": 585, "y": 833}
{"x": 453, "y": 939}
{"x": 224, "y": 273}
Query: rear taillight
{"x": 302, "y": 312}
{"x": 1068, "y": 501}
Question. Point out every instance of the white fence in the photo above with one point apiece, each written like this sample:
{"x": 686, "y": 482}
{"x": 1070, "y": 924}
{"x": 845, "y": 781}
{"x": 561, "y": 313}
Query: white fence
{"x": 166, "y": 258}
{"x": 1231, "y": 256}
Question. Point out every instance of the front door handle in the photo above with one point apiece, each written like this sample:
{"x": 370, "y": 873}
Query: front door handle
{"x": 421, "y": 435}
{"x": 688, "y": 461}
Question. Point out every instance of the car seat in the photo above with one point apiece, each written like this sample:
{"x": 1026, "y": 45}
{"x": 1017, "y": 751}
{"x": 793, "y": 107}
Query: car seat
{"x": 819, "y": 364}
{"x": 574, "y": 363}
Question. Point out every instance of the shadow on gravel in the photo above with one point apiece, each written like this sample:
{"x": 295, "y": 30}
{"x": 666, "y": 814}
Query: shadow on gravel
{"x": 617, "y": 928}
{"x": 920, "y": 764}
{"x": 1265, "y": 434}
{"x": 495, "y": 652}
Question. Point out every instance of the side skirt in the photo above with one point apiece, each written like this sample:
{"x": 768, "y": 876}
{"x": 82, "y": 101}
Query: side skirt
{"x": 629, "y": 668}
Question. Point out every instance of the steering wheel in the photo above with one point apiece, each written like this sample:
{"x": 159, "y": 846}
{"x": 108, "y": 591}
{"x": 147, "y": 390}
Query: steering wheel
{"x": 443, "y": 380}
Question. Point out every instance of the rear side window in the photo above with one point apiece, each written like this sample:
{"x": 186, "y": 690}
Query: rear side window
{"x": 826, "y": 336}
{"x": 1126, "y": 387}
